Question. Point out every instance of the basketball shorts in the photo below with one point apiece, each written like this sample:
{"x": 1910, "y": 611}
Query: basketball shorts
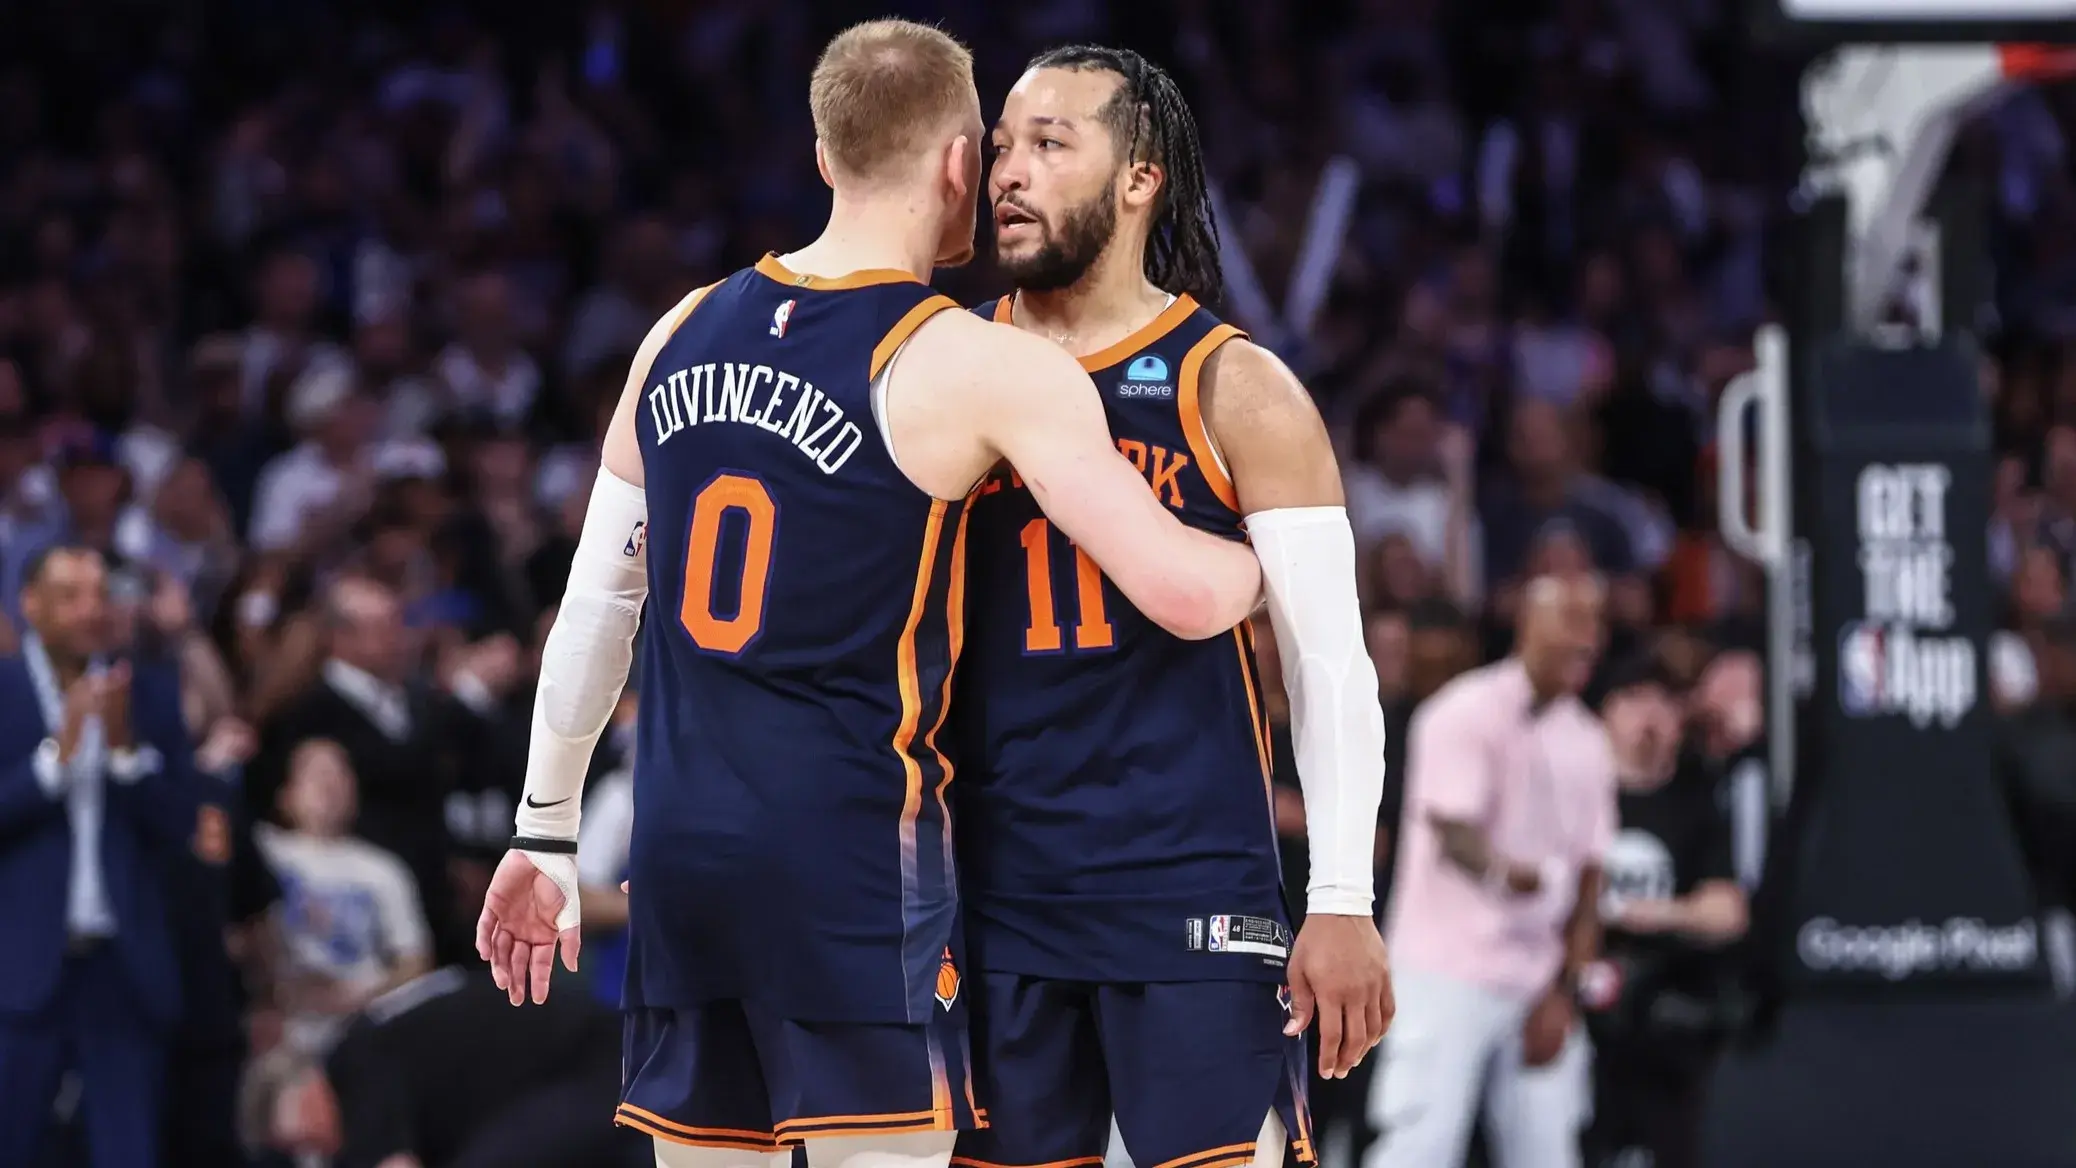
{"x": 1190, "y": 1070}
{"x": 733, "y": 1075}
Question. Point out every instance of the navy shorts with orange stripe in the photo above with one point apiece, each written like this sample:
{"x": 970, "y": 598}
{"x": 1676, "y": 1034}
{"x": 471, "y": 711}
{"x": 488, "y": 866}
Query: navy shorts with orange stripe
{"x": 732, "y": 1075}
{"x": 1190, "y": 1070}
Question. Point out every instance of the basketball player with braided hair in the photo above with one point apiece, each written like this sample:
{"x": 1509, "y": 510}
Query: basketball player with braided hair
{"x": 1130, "y": 949}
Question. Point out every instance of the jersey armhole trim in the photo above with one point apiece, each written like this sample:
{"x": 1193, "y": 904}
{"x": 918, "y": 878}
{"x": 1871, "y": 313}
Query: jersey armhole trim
{"x": 683, "y": 311}
{"x": 1188, "y": 394}
{"x": 905, "y": 328}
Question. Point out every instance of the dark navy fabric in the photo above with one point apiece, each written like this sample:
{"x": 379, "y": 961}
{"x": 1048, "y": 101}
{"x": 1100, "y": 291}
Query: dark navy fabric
{"x": 1190, "y": 1070}
{"x": 735, "y": 1075}
{"x": 790, "y": 845}
{"x": 1114, "y": 813}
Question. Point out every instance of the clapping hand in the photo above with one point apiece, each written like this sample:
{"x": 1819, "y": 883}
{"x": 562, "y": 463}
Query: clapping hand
{"x": 104, "y": 695}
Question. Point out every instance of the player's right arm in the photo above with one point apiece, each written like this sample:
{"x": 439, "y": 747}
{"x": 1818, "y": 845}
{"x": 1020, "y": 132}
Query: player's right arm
{"x": 1029, "y": 402}
{"x": 532, "y": 907}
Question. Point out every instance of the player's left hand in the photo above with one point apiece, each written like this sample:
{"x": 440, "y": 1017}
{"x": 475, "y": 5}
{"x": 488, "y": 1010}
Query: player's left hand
{"x": 1340, "y": 974}
{"x": 523, "y": 924}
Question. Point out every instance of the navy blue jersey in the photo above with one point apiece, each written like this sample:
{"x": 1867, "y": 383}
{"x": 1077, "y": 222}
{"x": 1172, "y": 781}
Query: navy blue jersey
{"x": 1114, "y": 811}
{"x": 790, "y": 840}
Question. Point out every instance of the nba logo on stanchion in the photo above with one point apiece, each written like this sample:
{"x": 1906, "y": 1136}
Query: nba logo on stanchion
{"x": 1862, "y": 669}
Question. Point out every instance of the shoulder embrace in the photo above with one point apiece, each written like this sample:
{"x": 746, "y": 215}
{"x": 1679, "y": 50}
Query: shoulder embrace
{"x": 960, "y": 348}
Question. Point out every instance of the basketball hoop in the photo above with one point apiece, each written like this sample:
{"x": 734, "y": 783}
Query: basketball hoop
{"x": 1882, "y": 120}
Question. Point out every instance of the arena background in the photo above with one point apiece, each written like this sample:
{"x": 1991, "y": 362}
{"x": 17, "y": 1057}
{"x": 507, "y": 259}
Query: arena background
{"x": 291, "y": 291}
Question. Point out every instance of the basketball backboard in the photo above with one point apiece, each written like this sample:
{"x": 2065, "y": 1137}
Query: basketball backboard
{"x": 1820, "y": 23}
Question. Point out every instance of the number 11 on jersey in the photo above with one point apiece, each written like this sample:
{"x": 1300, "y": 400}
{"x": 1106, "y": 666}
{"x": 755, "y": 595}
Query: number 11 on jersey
{"x": 1044, "y": 634}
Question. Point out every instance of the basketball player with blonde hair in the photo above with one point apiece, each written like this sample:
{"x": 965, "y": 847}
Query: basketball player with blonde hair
{"x": 789, "y": 472}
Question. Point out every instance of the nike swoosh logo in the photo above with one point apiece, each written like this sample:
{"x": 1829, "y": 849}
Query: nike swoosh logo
{"x": 530, "y": 801}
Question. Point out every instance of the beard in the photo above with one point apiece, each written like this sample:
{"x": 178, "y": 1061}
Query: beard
{"x": 1063, "y": 257}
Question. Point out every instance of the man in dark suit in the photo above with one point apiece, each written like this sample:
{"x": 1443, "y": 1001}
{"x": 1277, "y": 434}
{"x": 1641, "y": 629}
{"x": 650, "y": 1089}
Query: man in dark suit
{"x": 96, "y": 791}
{"x": 401, "y": 738}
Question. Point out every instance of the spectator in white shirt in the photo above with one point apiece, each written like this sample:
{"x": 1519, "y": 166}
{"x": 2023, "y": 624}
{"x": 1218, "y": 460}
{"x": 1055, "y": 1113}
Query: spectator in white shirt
{"x": 352, "y": 926}
{"x": 485, "y": 370}
{"x": 325, "y": 481}
{"x": 1411, "y": 476}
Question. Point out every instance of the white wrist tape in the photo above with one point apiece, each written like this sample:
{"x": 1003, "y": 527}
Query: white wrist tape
{"x": 562, "y": 869}
{"x": 1308, "y": 570}
{"x": 585, "y": 661}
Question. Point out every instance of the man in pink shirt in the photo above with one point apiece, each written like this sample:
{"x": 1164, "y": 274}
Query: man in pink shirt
{"x": 1510, "y": 805}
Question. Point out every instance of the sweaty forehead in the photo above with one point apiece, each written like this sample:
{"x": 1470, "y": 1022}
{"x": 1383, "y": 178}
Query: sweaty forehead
{"x": 1071, "y": 97}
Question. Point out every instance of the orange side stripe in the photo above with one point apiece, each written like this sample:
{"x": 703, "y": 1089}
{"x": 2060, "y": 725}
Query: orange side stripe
{"x": 940, "y": 1081}
{"x": 912, "y": 696}
{"x": 1188, "y": 400}
{"x": 1211, "y": 1156}
{"x": 1077, "y": 1162}
{"x": 1261, "y": 749}
{"x": 955, "y": 617}
{"x": 980, "y": 1114}
{"x": 731, "y": 1133}
{"x": 1005, "y": 310}
{"x": 1261, "y": 726}
{"x": 905, "y": 328}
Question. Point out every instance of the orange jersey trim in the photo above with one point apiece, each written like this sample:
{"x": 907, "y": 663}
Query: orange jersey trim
{"x": 905, "y": 328}
{"x": 1188, "y": 401}
{"x": 628, "y": 1115}
{"x": 770, "y": 268}
{"x": 685, "y": 306}
{"x": 1168, "y": 321}
{"x": 1153, "y": 330}
{"x": 1212, "y": 1157}
{"x": 793, "y": 1131}
{"x": 1077, "y": 1162}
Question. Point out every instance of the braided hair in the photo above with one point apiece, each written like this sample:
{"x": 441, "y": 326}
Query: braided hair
{"x": 1149, "y": 115}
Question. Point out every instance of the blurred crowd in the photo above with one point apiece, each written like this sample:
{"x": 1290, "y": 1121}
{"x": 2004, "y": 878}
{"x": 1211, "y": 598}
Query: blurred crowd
{"x": 311, "y": 316}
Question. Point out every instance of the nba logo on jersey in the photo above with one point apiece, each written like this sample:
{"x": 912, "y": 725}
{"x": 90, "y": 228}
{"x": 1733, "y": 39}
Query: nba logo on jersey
{"x": 1219, "y": 928}
{"x": 637, "y": 541}
{"x": 781, "y": 317}
{"x": 1862, "y": 658}
{"x": 1146, "y": 377}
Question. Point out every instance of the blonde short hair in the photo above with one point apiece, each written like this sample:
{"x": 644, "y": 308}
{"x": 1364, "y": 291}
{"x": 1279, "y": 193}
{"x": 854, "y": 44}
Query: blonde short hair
{"x": 880, "y": 91}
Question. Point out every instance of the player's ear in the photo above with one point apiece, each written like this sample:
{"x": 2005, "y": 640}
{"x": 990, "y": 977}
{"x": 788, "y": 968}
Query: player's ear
{"x": 822, "y": 164}
{"x": 1143, "y": 182}
{"x": 961, "y": 167}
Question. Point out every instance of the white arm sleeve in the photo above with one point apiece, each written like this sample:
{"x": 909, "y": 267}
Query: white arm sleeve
{"x": 584, "y": 663}
{"x": 1337, "y": 726}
